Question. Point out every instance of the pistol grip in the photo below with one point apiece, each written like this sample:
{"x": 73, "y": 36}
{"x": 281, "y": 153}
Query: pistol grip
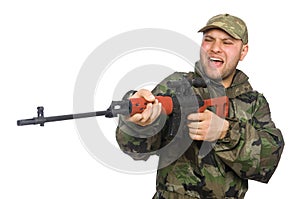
{"x": 221, "y": 105}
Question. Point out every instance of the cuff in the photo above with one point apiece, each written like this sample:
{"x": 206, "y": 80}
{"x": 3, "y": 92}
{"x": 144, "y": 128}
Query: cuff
{"x": 232, "y": 137}
{"x": 138, "y": 131}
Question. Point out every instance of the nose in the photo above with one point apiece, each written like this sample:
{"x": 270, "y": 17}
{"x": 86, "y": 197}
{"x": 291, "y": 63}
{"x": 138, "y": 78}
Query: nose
{"x": 216, "y": 47}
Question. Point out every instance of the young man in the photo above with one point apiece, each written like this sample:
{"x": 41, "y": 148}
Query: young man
{"x": 225, "y": 150}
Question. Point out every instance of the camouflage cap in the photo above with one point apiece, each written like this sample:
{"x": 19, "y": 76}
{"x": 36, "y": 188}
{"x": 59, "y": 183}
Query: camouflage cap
{"x": 234, "y": 26}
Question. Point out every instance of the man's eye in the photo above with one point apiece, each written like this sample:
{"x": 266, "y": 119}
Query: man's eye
{"x": 208, "y": 40}
{"x": 228, "y": 42}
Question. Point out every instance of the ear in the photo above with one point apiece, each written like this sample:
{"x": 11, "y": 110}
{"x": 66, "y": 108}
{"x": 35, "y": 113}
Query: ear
{"x": 244, "y": 52}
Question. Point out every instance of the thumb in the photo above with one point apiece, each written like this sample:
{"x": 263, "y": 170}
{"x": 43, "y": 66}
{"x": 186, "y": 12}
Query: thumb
{"x": 146, "y": 94}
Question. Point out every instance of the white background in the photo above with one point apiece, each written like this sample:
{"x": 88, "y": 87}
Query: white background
{"x": 43, "y": 45}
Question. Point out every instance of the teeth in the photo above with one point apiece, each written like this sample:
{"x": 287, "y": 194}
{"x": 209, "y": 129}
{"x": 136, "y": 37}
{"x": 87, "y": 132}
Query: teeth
{"x": 215, "y": 59}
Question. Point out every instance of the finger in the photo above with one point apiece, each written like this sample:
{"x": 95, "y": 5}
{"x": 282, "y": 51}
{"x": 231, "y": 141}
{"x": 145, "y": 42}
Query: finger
{"x": 156, "y": 110}
{"x": 195, "y": 116}
{"x": 197, "y": 131}
{"x": 207, "y": 114}
{"x": 135, "y": 118}
{"x": 198, "y": 128}
{"x": 144, "y": 93}
{"x": 151, "y": 114}
{"x": 194, "y": 125}
{"x": 147, "y": 112}
{"x": 196, "y": 136}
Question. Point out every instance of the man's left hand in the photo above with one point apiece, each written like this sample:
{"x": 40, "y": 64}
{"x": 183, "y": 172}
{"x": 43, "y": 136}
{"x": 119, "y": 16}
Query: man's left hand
{"x": 207, "y": 126}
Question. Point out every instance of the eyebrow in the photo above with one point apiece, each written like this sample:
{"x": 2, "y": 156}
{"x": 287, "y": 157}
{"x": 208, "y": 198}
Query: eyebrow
{"x": 223, "y": 39}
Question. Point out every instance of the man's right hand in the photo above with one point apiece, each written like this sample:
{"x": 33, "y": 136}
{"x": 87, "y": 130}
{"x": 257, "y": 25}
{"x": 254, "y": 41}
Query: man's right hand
{"x": 152, "y": 111}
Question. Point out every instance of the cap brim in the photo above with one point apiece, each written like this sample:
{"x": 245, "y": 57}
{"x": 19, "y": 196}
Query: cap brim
{"x": 205, "y": 28}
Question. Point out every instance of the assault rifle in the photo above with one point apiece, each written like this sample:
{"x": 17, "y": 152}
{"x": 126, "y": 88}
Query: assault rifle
{"x": 137, "y": 105}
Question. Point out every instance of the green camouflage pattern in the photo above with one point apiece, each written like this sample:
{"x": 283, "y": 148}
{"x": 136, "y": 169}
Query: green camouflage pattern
{"x": 234, "y": 26}
{"x": 250, "y": 151}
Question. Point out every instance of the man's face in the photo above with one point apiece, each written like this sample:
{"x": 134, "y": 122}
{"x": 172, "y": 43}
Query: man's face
{"x": 220, "y": 54}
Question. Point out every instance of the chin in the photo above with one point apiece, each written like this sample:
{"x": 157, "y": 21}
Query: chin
{"x": 214, "y": 74}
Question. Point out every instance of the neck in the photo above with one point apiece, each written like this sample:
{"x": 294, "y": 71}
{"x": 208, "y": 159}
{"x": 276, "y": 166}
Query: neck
{"x": 228, "y": 80}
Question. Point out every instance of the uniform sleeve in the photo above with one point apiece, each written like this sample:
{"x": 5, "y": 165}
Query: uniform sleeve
{"x": 253, "y": 147}
{"x": 142, "y": 142}
{"x": 137, "y": 141}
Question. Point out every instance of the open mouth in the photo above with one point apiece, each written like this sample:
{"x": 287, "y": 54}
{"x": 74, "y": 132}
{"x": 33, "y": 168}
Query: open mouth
{"x": 217, "y": 60}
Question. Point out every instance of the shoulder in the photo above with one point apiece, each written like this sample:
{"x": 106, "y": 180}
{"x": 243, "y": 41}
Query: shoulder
{"x": 163, "y": 86}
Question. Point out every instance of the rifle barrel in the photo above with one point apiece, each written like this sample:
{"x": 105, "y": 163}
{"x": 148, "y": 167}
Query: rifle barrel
{"x": 41, "y": 120}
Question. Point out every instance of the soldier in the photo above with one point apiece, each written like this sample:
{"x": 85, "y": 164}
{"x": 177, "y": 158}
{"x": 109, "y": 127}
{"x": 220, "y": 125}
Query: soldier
{"x": 224, "y": 153}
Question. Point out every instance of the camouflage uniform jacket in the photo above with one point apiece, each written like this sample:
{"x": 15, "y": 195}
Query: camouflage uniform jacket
{"x": 250, "y": 150}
